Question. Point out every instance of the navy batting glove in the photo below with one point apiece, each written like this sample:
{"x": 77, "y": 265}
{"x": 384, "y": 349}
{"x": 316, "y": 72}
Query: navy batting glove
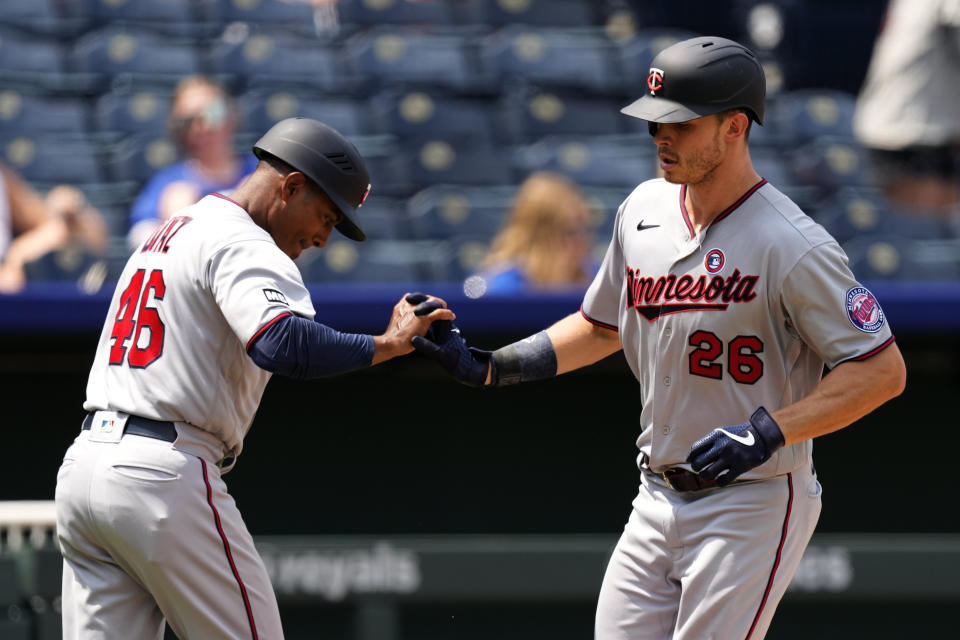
{"x": 444, "y": 344}
{"x": 726, "y": 452}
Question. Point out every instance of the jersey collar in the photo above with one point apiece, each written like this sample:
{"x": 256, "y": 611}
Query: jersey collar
{"x": 723, "y": 214}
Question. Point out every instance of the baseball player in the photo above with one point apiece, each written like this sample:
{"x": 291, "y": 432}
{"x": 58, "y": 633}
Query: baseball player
{"x": 727, "y": 302}
{"x": 205, "y": 311}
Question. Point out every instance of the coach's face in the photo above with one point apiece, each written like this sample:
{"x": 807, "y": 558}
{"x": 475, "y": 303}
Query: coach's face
{"x": 690, "y": 152}
{"x": 304, "y": 216}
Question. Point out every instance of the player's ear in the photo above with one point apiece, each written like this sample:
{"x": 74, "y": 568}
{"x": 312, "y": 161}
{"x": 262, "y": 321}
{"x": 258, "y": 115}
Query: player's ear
{"x": 292, "y": 183}
{"x": 736, "y": 124}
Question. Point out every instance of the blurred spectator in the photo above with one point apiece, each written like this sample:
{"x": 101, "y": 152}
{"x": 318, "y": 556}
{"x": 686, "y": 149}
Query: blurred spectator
{"x": 545, "y": 242}
{"x": 203, "y": 120}
{"x": 32, "y": 226}
{"x": 908, "y": 110}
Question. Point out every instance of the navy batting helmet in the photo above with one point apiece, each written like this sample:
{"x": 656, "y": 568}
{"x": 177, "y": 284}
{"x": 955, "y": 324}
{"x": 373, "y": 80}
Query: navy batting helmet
{"x": 322, "y": 154}
{"x": 700, "y": 77}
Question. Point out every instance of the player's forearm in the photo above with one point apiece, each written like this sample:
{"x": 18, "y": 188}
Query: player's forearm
{"x": 303, "y": 349}
{"x": 579, "y": 343}
{"x": 846, "y": 394}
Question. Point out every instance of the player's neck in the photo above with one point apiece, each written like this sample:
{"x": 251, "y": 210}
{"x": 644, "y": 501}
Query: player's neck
{"x": 709, "y": 198}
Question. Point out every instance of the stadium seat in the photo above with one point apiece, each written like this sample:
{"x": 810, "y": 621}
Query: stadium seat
{"x": 182, "y": 17}
{"x": 113, "y": 51}
{"x": 396, "y": 56}
{"x": 39, "y": 114}
{"x": 527, "y": 114}
{"x": 604, "y": 202}
{"x": 384, "y": 218}
{"x": 439, "y": 160}
{"x": 54, "y": 159}
{"x": 805, "y": 115}
{"x": 297, "y": 17}
{"x": 543, "y": 13}
{"x": 423, "y": 113}
{"x": 261, "y": 109}
{"x": 133, "y": 111}
{"x": 892, "y": 257}
{"x": 372, "y": 261}
{"x": 14, "y": 624}
{"x": 136, "y": 158}
{"x": 445, "y": 210}
{"x": 607, "y": 161}
{"x": 53, "y": 17}
{"x": 26, "y": 56}
{"x": 575, "y": 58}
{"x": 462, "y": 256}
{"x": 366, "y": 13}
{"x": 832, "y": 163}
{"x": 273, "y": 60}
{"x": 852, "y": 212}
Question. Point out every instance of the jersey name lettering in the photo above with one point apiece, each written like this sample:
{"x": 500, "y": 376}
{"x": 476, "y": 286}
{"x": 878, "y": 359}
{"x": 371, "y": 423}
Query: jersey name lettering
{"x": 648, "y": 294}
{"x": 159, "y": 240}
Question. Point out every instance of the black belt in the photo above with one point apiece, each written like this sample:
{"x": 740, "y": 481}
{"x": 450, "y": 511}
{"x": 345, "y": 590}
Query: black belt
{"x": 679, "y": 479}
{"x": 142, "y": 427}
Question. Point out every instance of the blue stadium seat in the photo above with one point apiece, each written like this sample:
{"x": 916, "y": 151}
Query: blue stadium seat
{"x": 604, "y": 203}
{"x": 439, "y": 160}
{"x": 272, "y": 14}
{"x": 462, "y": 256}
{"x": 805, "y": 115}
{"x": 27, "y": 56}
{"x": 544, "y": 13}
{"x": 136, "y": 158}
{"x": 424, "y": 113}
{"x": 54, "y": 159}
{"x": 261, "y": 109}
{"x": 112, "y": 51}
{"x": 527, "y": 114}
{"x": 133, "y": 111}
{"x": 891, "y": 257}
{"x": 384, "y": 217}
{"x": 365, "y": 13}
{"x": 608, "y": 161}
{"x": 852, "y": 212}
{"x": 272, "y": 60}
{"x": 832, "y": 163}
{"x": 372, "y": 261}
{"x": 445, "y": 210}
{"x": 183, "y": 17}
{"x": 53, "y": 17}
{"x": 38, "y": 114}
{"x": 396, "y": 56}
{"x": 581, "y": 59}
{"x": 69, "y": 263}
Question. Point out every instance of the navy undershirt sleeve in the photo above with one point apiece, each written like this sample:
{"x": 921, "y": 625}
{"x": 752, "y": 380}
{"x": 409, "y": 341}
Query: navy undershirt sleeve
{"x": 301, "y": 348}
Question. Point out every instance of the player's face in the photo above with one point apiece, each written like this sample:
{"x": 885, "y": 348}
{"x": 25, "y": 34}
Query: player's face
{"x": 306, "y": 220}
{"x": 690, "y": 152}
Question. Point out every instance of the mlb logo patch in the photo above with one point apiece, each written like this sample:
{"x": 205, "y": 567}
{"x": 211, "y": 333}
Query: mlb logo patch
{"x": 863, "y": 310}
{"x": 107, "y": 426}
{"x": 276, "y": 296}
{"x": 714, "y": 260}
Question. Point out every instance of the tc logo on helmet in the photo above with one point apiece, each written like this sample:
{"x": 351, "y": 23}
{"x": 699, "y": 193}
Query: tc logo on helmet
{"x": 655, "y": 80}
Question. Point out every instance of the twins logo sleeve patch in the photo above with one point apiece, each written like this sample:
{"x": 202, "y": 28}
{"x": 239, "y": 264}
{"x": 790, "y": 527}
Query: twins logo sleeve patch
{"x": 863, "y": 310}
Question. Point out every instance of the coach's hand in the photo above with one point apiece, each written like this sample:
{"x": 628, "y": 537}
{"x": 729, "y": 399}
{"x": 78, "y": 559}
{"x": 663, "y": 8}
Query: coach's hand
{"x": 726, "y": 452}
{"x": 443, "y": 343}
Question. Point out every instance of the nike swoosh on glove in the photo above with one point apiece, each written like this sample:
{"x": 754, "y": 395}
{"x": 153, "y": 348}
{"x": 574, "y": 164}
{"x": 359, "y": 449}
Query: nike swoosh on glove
{"x": 726, "y": 452}
{"x": 444, "y": 344}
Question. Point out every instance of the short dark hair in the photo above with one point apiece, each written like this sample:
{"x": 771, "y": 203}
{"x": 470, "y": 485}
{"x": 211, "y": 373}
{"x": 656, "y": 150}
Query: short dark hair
{"x": 729, "y": 112}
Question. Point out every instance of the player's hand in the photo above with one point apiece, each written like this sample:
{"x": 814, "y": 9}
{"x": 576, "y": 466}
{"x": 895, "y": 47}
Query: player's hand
{"x": 412, "y": 316}
{"x": 727, "y": 452}
{"x": 473, "y": 367}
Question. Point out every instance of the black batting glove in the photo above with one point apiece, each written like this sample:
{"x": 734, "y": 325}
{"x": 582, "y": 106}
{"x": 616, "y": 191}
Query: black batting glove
{"x": 444, "y": 344}
{"x": 727, "y": 452}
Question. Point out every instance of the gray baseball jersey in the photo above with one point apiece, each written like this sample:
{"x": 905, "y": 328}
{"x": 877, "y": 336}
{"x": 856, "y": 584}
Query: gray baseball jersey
{"x": 715, "y": 324}
{"x": 190, "y": 300}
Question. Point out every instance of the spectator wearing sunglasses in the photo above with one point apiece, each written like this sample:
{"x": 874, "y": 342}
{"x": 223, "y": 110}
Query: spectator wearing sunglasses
{"x": 203, "y": 120}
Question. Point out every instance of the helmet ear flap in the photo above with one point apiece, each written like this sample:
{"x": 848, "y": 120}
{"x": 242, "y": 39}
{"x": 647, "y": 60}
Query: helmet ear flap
{"x": 652, "y": 127}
